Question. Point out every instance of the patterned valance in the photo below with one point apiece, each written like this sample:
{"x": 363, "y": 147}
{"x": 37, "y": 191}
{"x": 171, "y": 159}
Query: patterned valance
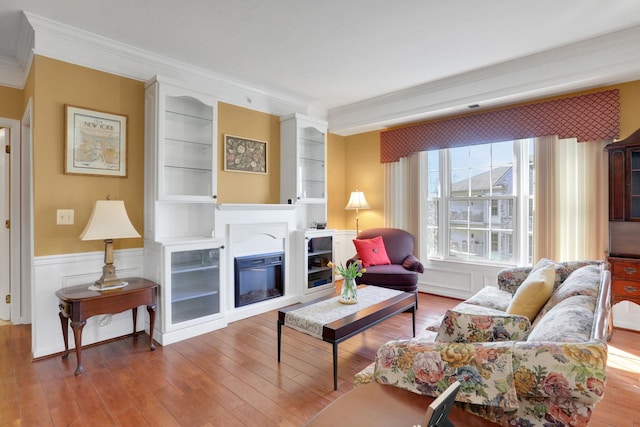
{"x": 589, "y": 117}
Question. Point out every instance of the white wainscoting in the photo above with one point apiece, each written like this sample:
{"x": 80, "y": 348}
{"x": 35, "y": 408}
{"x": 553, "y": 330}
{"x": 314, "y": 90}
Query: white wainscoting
{"x": 55, "y": 272}
{"x": 456, "y": 280}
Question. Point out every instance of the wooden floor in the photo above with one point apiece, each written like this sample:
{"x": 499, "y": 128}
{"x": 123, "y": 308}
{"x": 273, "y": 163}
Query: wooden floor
{"x": 231, "y": 377}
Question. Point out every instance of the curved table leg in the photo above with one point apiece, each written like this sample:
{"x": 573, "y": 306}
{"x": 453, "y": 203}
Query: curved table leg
{"x": 135, "y": 321}
{"x": 77, "y": 336}
{"x": 64, "y": 321}
{"x": 151, "y": 309}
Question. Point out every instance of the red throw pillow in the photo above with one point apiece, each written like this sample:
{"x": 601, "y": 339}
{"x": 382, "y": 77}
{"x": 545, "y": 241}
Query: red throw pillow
{"x": 371, "y": 251}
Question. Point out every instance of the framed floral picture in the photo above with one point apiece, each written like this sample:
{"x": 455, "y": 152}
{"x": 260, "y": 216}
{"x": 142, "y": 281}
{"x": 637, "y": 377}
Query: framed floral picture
{"x": 245, "y": 155}
{"x": 95, "y": 143}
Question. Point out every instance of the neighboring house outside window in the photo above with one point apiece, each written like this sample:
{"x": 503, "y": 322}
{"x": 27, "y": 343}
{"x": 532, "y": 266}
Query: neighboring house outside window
{"x": 479, "y": 204}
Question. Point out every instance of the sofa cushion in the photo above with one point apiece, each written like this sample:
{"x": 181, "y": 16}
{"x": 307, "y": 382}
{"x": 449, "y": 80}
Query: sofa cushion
{"x": 372, "y": 251}
{"x": 533, "y": 293}
{"x": 491, "y": 297}
{"x": 570, "y": 320}
{"x": 393, "y": 276}
{"x": 583, "y": 281}
{"x": 474, "y": 323}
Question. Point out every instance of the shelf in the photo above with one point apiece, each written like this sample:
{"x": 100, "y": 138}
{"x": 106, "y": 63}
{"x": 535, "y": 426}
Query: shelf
{"x": 313, "y": 160}
{"x": 207, "y": 144}
{"x": 316, "y": 253}
{"x": 313, "y": 270}
{"x": 185, "y": 268}
{"x": 187, "y": 118}
{"x": 187, "y": 168}
{"x": 312, "y": 141}
{"x": 192, "y": 292}
{"x": 194, "y": 313}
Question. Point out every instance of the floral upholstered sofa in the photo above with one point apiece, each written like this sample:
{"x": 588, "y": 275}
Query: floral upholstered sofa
{"x": 515, "y": 371}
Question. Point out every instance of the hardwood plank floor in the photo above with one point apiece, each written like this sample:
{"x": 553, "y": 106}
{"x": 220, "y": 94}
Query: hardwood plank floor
{"x": 231, "y": 377}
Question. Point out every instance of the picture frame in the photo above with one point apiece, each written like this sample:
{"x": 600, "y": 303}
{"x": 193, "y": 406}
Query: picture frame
{"x": 245, "y": 155}
{"x": 95, "y": 143}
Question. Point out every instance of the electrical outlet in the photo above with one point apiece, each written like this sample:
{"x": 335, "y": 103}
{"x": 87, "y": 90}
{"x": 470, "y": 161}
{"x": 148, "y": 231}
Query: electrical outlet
{"x": 65, "y": 217}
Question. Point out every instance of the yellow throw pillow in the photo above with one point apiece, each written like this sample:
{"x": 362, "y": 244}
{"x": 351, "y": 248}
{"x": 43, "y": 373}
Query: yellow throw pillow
{"x": 533, "y": 293}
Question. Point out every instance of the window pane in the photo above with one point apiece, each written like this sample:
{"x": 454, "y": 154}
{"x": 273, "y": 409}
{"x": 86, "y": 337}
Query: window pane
{"x": 432, "y": 241}
{"x": 477, "y": 243}
{"x": 459, "y": 183}
{"x": 459, "y": 157}
{"x": 433, "y": 160}
{"x": 502, "y": 246}
{"x": 458, "y": 242}
{"x": 480, "y": 181}
{"x": 478, "y": 211}
{"x": 502, "y": 213}
{"x": 459, "y": 213}
{"x": 502, "y": 153}
{"x": 433, "y": 187}
{"x": 480, "y": 155}
{"x": 432, "y": 212}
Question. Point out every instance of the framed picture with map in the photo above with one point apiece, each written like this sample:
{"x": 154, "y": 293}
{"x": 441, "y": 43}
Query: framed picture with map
{"x": 95, "y": 143}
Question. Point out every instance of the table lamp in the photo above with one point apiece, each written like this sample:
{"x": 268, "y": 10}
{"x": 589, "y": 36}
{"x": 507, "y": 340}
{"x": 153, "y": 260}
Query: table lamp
{"x": 108, "y": 221}
{"x": 356, "y": 202}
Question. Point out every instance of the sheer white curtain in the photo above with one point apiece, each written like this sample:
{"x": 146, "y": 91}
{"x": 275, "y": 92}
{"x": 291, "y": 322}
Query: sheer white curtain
{"x": 571, "y": 200}
{"x": 402, "y": 195}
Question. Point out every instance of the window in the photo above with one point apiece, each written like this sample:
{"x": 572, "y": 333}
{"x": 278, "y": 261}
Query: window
{"x": 479, "y": 202}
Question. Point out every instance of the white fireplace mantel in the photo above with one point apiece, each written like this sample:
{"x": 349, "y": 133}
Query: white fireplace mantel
{"x": 254, "y": 229}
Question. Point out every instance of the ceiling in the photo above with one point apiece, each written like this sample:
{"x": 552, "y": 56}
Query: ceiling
{"x": 357, "y": 59}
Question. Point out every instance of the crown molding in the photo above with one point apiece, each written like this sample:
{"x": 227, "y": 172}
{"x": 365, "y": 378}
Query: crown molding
{"x": 609, "y": 59}
{"x": 69, "y": 44}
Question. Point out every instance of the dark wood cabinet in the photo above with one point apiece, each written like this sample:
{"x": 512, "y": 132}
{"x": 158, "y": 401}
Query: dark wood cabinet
{"x": 624, "y": 179}
{"x": 624, "y": 218}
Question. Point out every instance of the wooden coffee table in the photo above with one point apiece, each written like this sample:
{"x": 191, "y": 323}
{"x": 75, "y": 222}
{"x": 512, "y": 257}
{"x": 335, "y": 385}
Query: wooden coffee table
{"x": 360, "y": 320}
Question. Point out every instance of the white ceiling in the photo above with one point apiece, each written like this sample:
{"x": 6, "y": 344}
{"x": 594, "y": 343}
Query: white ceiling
{"x": 340, "y": 55}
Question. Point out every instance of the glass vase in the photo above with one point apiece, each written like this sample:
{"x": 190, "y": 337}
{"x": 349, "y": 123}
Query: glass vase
{"x": 349, "y": 293}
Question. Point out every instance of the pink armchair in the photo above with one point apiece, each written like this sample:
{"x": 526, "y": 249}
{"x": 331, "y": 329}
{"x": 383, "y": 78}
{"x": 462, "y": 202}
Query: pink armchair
{"x": 402, "y": 273}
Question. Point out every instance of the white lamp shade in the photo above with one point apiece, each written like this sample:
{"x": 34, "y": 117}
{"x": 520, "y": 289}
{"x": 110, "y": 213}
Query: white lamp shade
{"x": 109, "y": 220}
{"x": 357, "y": 201}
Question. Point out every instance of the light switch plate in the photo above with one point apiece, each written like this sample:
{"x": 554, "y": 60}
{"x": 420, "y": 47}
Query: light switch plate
{"x": 65, "y": 216}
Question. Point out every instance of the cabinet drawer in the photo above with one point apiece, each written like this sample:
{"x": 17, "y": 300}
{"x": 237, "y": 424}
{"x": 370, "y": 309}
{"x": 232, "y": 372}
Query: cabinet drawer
{"x": 626, "y": 288}
{"x": 626, "y": 270}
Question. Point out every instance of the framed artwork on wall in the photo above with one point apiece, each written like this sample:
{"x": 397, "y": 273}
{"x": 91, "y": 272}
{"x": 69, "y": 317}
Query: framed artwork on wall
{"x": 245, "y": 155}
{"x": 95, "y": 143}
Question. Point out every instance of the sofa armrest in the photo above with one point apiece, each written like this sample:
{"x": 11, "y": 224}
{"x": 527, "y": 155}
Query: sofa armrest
{"x": 470, "y": 323}
{"x": 509, "y": 279}
{"x": 412, "y": 263}
{"x": 484, "y": 370}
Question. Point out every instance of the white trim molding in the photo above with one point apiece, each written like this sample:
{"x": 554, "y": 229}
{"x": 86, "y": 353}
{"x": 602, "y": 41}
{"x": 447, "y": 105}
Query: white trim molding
{"x": 65, "y": 43}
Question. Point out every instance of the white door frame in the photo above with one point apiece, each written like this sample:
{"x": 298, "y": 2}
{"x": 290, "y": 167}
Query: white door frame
{"x": 14, "y": 231}
{"x": 22, "y": 212}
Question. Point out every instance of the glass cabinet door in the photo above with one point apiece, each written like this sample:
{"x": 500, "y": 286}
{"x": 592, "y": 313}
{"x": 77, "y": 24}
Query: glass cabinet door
{"x": 319, "y": 254}
{"x": 634, "y": 178}
{"x": 195, "y": 284}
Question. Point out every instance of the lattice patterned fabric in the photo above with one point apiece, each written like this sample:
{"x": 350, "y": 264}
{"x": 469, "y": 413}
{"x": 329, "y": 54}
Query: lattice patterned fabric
{"x": 590, "y": 117}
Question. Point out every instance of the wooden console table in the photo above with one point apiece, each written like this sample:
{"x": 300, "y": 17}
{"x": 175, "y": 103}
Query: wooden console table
{"x": 78, "y": 303}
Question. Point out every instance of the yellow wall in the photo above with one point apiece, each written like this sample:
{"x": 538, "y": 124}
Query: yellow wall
{"x": 11, "y": 104}
{"x": 365, "y": 172}
{"x": 240, "y": 187}
{"x": 337, "y": 195}
{"x": 56, "y": 84}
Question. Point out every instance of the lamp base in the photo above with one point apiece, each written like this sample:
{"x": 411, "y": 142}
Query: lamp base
{"x": 109, "y": 278}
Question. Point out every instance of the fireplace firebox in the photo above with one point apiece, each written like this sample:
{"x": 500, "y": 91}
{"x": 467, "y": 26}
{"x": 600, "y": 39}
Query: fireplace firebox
{"x": 258, "y": 278}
